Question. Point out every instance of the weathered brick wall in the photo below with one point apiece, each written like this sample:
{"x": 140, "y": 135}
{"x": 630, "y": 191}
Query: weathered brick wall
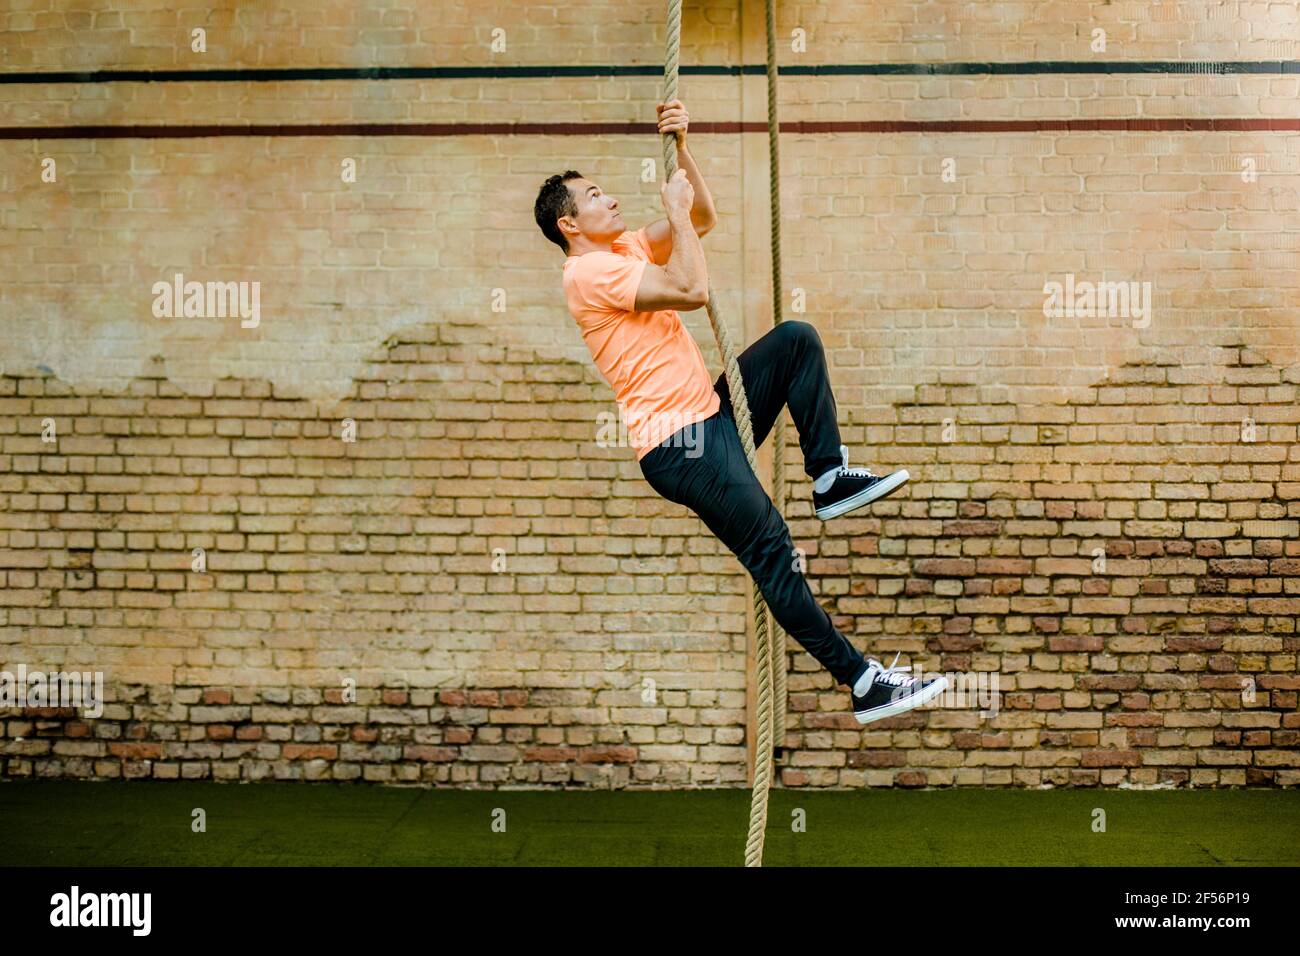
{"x": 375, "y": 561}
{"x": 501, "y": 587}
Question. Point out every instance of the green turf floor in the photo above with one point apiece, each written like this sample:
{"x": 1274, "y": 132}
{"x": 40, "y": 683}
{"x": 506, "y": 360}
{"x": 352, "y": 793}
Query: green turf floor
{"x": 147, "y": 823}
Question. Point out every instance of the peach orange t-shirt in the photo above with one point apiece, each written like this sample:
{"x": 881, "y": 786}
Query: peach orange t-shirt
{"x": 658, "y": 375}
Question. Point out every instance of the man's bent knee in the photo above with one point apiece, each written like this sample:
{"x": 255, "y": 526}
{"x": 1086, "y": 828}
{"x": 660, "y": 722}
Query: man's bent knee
{"x": 799, "y": 332}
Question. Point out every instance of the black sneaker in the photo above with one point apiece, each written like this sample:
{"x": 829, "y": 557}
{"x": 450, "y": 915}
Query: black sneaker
{"x": 853, "y": 488}
{"x": 892, "y": 692}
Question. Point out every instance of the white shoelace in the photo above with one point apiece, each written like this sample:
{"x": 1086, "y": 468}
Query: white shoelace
{"x": 848, "y": 472}
{"x": 892, "y": 675}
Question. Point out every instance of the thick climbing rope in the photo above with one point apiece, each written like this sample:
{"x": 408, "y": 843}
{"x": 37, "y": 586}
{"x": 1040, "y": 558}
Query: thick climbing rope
{"x": 765, "y": 652}
{"x": 779, "y": 695}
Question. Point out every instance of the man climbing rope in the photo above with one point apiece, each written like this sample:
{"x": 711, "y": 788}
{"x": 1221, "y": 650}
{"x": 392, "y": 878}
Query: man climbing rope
{"x": 623, "y": 289}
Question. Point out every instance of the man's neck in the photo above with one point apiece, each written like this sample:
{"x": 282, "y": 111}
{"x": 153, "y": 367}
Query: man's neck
{"x": 587, "y": 245}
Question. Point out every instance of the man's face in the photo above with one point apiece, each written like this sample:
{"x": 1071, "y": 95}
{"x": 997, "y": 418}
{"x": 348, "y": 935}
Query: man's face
{"x": 598, "y": 215}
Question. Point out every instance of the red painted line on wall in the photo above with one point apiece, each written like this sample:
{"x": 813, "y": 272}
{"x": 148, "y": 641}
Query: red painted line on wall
{"x": 1173, "y": 124}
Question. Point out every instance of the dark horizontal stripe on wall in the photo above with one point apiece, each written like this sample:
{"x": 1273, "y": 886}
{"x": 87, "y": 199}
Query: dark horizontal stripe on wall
{"x": 648, "y": 129}
{"x": 273, "y": 75}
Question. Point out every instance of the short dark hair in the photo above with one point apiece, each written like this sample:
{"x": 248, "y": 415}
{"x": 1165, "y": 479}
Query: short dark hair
{"x": 553, "y": 201}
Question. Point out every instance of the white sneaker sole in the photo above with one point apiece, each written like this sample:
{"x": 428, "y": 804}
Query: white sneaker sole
{"x": 929, "y": 692}
{"x": 867, "y": 495}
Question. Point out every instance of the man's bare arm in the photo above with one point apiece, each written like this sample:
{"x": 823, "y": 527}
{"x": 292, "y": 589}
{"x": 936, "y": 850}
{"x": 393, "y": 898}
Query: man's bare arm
{"x": 703, "y": 214}
{"x": 683, "y": 283}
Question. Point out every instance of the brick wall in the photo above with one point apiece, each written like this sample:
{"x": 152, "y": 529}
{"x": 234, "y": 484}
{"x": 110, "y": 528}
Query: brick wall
{"x": 510, "y": 601}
